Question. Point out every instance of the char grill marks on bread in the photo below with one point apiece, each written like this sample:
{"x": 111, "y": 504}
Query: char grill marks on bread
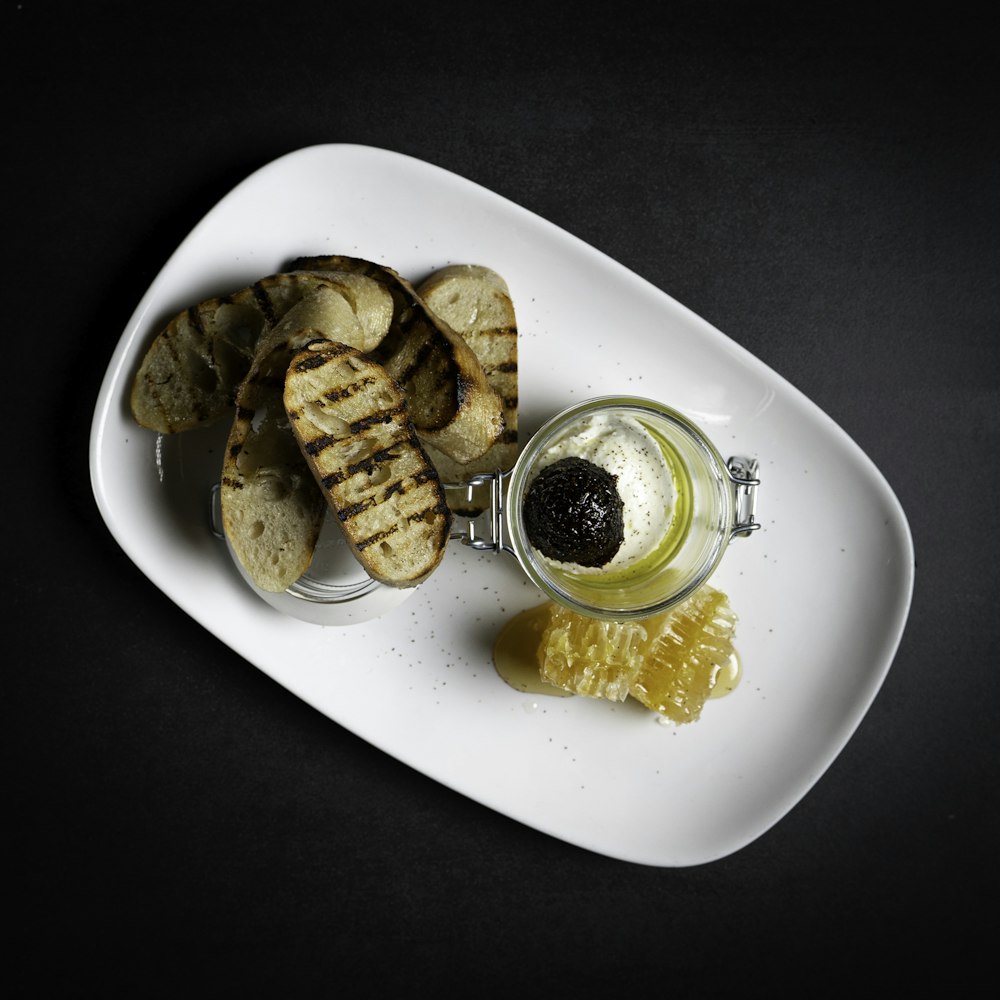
{"x": 351, "y": 420}
{"x": 272, "y": 507}
{"x": 452, "y": 404}
{"x": 190, "y": 374}
{"x": 475, "y": 301}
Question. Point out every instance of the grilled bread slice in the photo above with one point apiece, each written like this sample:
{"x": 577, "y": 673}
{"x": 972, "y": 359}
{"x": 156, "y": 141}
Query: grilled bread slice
{"x": 192, "y": 370}
{"x": 272, "y": 507}
{"x": 475, "y": 302}
{"x": 352, "y": 423}
{"x": 451, "y": 402}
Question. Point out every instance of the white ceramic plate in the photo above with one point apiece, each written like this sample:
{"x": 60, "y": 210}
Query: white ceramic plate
{"x": 821, "y": 611}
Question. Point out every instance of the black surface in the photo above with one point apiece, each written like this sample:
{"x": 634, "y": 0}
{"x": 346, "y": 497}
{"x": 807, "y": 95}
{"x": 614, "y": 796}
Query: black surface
{"x": 819, "y": 183}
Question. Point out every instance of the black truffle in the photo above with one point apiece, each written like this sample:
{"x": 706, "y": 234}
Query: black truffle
{"x": 573, "y": 513}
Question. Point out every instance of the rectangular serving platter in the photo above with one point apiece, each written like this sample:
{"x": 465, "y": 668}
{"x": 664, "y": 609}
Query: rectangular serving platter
{"x": 821, "y": 612}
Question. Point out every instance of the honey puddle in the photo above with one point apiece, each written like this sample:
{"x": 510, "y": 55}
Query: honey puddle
{"x": 515, "y": 653}
{"x": 515, "y": 658}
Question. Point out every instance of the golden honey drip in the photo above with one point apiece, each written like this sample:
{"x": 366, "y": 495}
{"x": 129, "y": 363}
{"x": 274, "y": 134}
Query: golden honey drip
{"x": 516, "y": 653}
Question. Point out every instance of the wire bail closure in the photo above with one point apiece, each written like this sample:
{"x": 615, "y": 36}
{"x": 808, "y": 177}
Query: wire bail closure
{"x": 743, "y": 475}
{"x": 479, "y": 506}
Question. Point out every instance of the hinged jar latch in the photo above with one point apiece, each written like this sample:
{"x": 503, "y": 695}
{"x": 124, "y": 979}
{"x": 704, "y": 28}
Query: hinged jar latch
{"x": 478, "y": 508}
{"x": 743, "y": 475}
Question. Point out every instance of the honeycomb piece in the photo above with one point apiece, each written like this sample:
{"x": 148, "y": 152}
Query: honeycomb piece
{"x": 595, "y": 658}
{"x": 669, "y": 662}
{"x": 685, "y": 652}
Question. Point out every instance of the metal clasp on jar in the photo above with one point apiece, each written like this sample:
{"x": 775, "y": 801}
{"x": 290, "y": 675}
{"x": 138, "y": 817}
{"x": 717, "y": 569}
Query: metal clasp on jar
{"x": 478, "y": 511}
{"x": 743, "y": 475}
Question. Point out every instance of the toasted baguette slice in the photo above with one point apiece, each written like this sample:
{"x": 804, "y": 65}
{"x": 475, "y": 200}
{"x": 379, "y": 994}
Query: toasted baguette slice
{"x": 451, "y": 403}
{"x": 272, "y": 507}
{"x": 191, "y": 372}
{"x": 352, "y": 423}
{"x": 370, "y": 301}
{"x": 475, "y": 302}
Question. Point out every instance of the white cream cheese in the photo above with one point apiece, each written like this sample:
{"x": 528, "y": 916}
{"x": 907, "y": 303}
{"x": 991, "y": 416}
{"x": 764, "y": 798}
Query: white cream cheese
{"x": 623, "y": 447}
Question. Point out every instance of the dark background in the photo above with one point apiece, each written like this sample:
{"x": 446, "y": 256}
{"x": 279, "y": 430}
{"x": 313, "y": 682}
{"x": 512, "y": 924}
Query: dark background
{"x": 819, "y": 182}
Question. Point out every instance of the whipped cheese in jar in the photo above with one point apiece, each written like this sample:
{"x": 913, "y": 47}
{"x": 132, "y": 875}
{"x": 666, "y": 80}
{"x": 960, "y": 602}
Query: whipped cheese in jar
{"x": 620, "y": 508}
{"x": 616, "y": 451}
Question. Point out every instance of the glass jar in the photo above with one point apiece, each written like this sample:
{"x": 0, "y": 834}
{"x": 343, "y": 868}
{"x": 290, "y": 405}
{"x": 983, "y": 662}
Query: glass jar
{"x": 713, "y": 501}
